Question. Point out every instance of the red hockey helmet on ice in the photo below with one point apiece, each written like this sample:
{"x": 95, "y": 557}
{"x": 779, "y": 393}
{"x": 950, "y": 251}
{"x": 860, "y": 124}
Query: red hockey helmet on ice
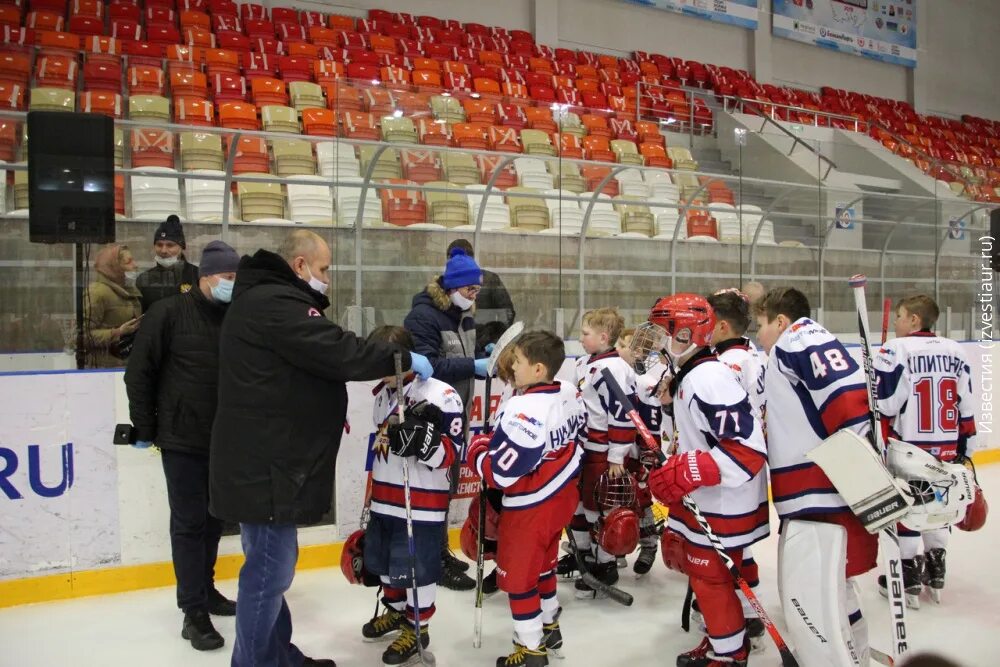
{"x": 469, "y": 536}
{"x": 352, "y": 561}
{"x": 619, "y": 531}
{"x": 687, "y": 318}
{"x": 975, "y": 514}
{"x": 611, "y": 492}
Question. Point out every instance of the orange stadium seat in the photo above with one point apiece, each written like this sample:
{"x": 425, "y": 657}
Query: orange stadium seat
{"x": 359, "y": 125}
{"x": 319, "y": 122}
{"x": 238, "y": 116}
{"x": 102, "y": 102}
{"x": 504, "y": 139}
{"x": 470, "y": 135}
{"x": 192, "y": 111}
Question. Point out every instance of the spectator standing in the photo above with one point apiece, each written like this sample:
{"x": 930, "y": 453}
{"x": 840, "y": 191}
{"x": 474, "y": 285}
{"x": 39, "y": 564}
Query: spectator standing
{"x": 111, "y": 307}
{"x": 172, "y": 383}
{"x": 172, "y": 274}
{"x": 283, "y": 369}
{"x": 493, "y": 303}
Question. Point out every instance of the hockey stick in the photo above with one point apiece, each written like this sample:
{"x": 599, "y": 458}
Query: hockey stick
{"x": 888, "y": 537}
{"x": 512, "y": 332}
{"x": 787, "y": 659}
{"x": 426, "y": 657}
{"x": 886, "y": 310}
{"x": 609, "y": 591}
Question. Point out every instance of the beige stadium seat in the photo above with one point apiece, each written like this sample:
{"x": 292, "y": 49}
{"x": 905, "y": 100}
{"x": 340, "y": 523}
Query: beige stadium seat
{"x": 450, "y": 209}
{"x": 536, "y": 142}
{"x": 637, "y": 220}
{"x": 460, "y": 168}
{"x": 728, "y": 221}
{"x": 276, "y": 118}
{"x": 201, "y": 151}
{"x": 682, "y": 158}
{"x": 306, "y": 95}
{"x": 568, "y": 176}
{"x": 20, "y": 190}
{"x": 293, "y": 157}
{"x": 448, "y": 109}
{"x": 570, "y": 123}
{"x": 261, "y": 200}
{"x": 604, "y": 219}
{"x": 52, "y": 99}
{"x": 398, "y": 130}
{"x": 528, "y": 212}
{"x": 119, "y": 147}
{"x": 626, "y": 152}
{"x": 149, "y": 108}
{"x": 496, "y": 214}
{"x": 388, "y": 165}
{"x": 565, "y": 214}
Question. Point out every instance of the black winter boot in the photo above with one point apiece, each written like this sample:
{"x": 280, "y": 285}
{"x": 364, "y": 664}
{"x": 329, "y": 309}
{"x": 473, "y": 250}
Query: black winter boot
{"x": 198, "y": 629}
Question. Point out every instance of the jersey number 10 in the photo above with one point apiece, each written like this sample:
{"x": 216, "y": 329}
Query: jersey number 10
{"x": 946, "y": 403}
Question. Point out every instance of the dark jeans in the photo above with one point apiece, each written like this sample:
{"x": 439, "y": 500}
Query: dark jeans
{"x": 263, "y": 621}
{"x": 194, "y": 533}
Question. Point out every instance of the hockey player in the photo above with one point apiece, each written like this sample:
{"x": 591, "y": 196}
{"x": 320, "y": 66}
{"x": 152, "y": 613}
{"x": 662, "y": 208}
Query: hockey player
{"x": 533, "y": 457}
{"x": 925, "y": 399}
{"x": 720, "y": 466}
{"x": 650, "y": 382}
{"x": 734, "y": 349}
{"x": 609, "y": 438}
{"x": 812, "y": 389}
{"x": 431, "y": 437}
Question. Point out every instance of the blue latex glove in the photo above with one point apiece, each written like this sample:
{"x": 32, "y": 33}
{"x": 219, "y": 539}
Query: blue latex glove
{"x": 481, "y": 367}
{"x": 490, "y": 348}
{"x": 421, "y": 366}
{"x": 142, "y": 444}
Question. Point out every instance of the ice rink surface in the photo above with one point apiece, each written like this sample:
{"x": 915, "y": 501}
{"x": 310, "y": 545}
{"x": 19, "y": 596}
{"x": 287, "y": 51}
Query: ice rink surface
{"x": 143, "y": 628}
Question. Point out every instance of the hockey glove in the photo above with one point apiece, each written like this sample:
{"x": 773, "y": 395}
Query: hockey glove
{"x": 478, "y": 445}
{"x": 682, "y": 474}
{"x": 425, "y": 411}
{"x": 415, "y": 437}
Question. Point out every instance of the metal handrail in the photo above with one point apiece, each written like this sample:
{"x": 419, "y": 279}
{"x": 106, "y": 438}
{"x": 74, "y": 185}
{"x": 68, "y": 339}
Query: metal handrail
{"x": 795, "y": 140}
{"x": 804, "y": 110}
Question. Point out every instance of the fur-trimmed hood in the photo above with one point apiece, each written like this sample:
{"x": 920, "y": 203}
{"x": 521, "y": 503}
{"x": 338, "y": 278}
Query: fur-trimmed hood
{"x": 438, "y": 296}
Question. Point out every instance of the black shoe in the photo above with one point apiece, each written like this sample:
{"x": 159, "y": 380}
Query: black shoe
{"x": 448, "y": 559}
{"x": 455, "y": 580}
{"x": 404, "y": 648}
{"x": 318, "y": 662}
{"x": 220, "y": 605}
{"x": 605, "y": 572}
{"x": 490, "y": 585}
{"x": 198, "y": 629}
{"x": 381, "y": 627}
{"x": 644, "y": 561}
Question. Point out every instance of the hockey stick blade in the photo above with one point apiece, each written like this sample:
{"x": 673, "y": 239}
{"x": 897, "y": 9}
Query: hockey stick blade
{"x": 512, "y": 332}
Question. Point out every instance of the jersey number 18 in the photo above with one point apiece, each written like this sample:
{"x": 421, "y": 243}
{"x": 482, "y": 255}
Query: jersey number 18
{"x": 946, "y": 404}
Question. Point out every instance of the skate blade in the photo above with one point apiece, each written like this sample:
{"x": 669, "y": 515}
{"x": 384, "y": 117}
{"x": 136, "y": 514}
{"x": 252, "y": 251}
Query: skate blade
{"x": 387, "y": 637}
{"x": 912, "y": 601}
{"x": 428, "y": 660}
{"x": 757, "y": 644}
{"x": 556, "y": 653}
{"x": 621, "y": 562}
{"x": 935, "y": 594}
{"x": 590, "y": 595}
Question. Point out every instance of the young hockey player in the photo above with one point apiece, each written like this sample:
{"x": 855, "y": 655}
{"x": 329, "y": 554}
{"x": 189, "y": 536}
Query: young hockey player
{"x": 651, "y": 379}
{"x": 720, "y": 466}
{"x": 533, "y": 457}
{"x": 430, "y": 438}
{"x": 609, "y": 438}
{"x": 812, "y": 389}
{"x": 925, "y": 399}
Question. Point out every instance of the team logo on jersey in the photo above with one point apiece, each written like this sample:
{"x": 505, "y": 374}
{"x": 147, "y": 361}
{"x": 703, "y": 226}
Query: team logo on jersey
{"x": 531, "y": 420}
{"x": 381, "y": 444}
{"x": 185, "y": 288}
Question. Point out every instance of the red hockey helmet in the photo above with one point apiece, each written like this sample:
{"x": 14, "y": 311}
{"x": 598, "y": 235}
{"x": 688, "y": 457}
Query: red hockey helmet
{"x": 672, "y": 550}
{"x": 352, "y": 561}
{"x": 611, "y": 492}
{"x": 687, "y": 318}
{"x": 975, "y": 514}
{"x": 469, "y": 536}
{"x": 619, "y": 531}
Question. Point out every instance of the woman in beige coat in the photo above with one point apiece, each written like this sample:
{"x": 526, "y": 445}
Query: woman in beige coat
{"x": 112, "y": 306}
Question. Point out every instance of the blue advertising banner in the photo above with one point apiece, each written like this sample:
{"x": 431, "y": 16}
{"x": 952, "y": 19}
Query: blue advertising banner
{"x": 885, "y": 30}
{"x": 734, "y": 12}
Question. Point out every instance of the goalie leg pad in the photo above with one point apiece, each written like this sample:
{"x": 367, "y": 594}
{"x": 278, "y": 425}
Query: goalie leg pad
{"x": 859, "y": 626}
{"x": 812, "y": 559}
{"x": 860, "y": 477}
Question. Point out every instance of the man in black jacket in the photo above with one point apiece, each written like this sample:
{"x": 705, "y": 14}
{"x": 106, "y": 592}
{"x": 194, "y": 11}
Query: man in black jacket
{"x": 173, "y": 274}
{"x": 282, "y": 406}
{"x": 171, "y": 380}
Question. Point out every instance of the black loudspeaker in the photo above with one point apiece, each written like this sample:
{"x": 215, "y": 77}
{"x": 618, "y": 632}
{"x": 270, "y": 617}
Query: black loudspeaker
{"x": 71, "y": 179}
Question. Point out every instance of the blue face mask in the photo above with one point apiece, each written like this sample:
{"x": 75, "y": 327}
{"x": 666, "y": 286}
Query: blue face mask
{"x": 223, "y": 292}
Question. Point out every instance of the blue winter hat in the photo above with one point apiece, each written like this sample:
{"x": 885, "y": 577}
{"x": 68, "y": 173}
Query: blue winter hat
{"x": 461, "y": 271}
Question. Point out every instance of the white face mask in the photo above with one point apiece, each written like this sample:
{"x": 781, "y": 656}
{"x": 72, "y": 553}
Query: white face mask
{"x": 167, "y": 262}
{"x": 461, "y": 301}
{"x": 316, "y": 284}
{"x": 130, "y": 277}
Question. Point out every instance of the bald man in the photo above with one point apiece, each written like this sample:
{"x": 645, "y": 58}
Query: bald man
{"x": 283, "y": 369}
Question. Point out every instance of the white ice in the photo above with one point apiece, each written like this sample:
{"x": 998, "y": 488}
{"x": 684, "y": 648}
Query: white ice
{"x": 143, "y": 628}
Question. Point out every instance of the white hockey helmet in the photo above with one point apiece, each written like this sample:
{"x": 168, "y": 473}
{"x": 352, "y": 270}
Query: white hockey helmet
{"x": 941, "y": 491}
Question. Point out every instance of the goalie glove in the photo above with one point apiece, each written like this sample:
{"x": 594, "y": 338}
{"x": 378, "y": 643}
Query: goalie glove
{"x": 420, "y": 433}
{"x": 682, "y": 474}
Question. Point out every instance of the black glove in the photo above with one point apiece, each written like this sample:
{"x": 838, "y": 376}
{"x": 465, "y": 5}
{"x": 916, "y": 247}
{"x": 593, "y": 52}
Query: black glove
{"x": 416, "y": 436}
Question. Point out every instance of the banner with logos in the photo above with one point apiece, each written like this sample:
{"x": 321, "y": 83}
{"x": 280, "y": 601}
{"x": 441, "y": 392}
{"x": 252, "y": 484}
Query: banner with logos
{"x": 58, "y": 473}
{"x": 734, "y": 12}
{"x": 884, "y": 30}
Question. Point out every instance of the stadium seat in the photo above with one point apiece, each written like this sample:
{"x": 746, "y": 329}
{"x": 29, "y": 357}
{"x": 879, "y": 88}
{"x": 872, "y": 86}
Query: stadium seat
{"x": 479, "y": 111}
{"x": 306, "y": 95}
{"x": 511, "y": 115}
{"x": 398, "y": 130}
{"x": 433, "y": 132}
{"x": 337, "y": 159}
{"x": 565, "y": 214}
{"x": 448, "y": 209}
{"x": 228, "y": 87}
{"x": 52, "y": 99}
{"x": 402, "y": 205}
{"x": 11, "y": 97}
{"x": 421, "y": 166}
{"x": 279, "y": 118}
{"x": 152, "y": 108}
{"x": 597, "y": 148}
{"x": 145, "y": 80}
{"x": 531, "y": 173}
{"x": 199, "y": 150}
{"x": 343, "y": 97}
{"x": 528, "y": 212}
{"x": 260, "y": 201}
{"x": 188, "y": 83}
{"x": 626, "y": 152}
{"x": 328, "y": 70}
{"x": 194, "y": 111}
{"x": 319, "y": 122}
{"x": 102, "y": 75}
{"x": 293, "y": 157}
{"x": 102, "y": 102}
{"x": 596, "y": 125}
{"x": 268, "y": 91}
{"x": 447, "y": 108}
{"x": 470, "y": 135}
{"x": 155, "y": 197}
{"x": 56, "y": 71}
{"x": 238, "y": 116}
{"x": 537, "y": 142}
{"x": 311, "y": 204}
{"x": 251, "y": 156}
{"x": 359, "y": 125}
{"x": 504, "y": 139}
{"x": 539, "y": 118}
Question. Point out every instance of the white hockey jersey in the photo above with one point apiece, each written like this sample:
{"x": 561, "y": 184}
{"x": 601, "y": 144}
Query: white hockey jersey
{"x": 925, "y": 393}
{"x": 747, "y": 362}
{"x": 535, "y": 450}
{"x": 812, "y": 389}
{"x": 429, "y": 482}
{"x": 608, "y": 427}
{"x": 648, "y": 406}
{"x": 712, "y": 413}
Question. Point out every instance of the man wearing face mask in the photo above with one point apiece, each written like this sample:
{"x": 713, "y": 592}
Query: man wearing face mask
{"x": 283, "y": 369}
{"x": 173, "y": 274}
{"x": 171, "y": 380}
{"x": 441, "y": 321}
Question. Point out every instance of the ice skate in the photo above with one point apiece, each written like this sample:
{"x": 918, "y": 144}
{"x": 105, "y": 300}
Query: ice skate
{"x": 552, "y": 637}
{"x": 703, "y": 656}
{"x": 912, "y": 581}
{"x": 524, "y": 657}
{"x": 605, "y": 572}
{"x": 934, "y": 572}
{"x": 404, "y": 651}
{"x": 644, "y": 561}
{"x": 384, "y": 626}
